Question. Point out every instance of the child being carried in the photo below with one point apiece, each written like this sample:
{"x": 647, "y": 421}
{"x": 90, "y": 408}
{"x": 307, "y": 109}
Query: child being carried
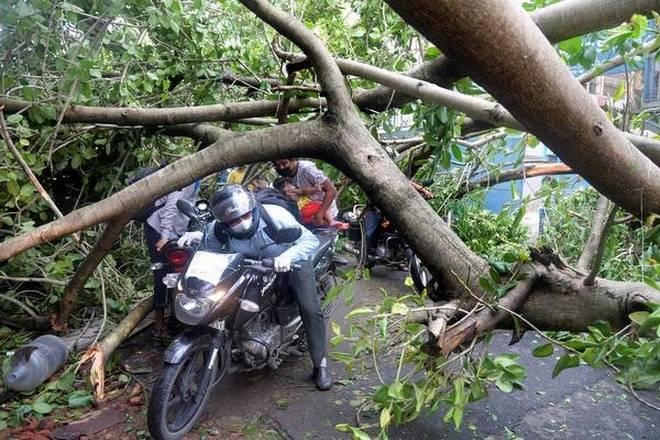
{"x": 308, "y": 208}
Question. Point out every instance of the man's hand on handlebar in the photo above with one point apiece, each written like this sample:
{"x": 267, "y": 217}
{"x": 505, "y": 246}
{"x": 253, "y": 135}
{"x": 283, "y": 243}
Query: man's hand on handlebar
{"x": 282, "y": 263}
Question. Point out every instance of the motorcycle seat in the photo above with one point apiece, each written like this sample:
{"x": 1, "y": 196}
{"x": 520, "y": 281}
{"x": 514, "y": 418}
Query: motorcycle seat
{"x": 325, "y": 241}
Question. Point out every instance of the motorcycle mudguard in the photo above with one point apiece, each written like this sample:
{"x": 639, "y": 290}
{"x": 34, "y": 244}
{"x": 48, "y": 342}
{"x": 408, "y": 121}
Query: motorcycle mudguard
{"x": 187, "y": 342}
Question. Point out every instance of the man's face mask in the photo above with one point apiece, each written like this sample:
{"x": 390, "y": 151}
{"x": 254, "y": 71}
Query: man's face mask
{"x": 284, "y": 168}
{"x": 284, "y": 172}
{"x": 241, "y": 224}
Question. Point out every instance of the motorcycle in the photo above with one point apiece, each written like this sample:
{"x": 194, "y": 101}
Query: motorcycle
{"x": 239, "y": 316}
{"x": 391, "y": 249}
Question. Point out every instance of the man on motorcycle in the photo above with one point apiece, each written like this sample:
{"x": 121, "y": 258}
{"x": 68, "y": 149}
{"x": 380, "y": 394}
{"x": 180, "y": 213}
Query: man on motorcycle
{"x": 239, "y": 227}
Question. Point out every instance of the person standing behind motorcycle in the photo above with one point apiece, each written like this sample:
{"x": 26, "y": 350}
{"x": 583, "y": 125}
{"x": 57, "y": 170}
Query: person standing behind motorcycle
{"x": 240, "y": 226}
{"x": 310, "y": 181}
{"x": 163, "y": 223}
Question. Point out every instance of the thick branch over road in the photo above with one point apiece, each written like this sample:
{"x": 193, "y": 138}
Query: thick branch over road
{"x": 515, "y": 63}
{"x": 563, "y": 20}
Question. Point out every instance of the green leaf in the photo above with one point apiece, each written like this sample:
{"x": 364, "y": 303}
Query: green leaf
{"x": 486, "y": 284}
{"x": 66, "y": 6}
{"x": 431, "y": 53}
{"x": 395, "y": 390}
{"x": 359, "y": 311}
{"x": 385, "y": 417}
{"x": 65, "y": 381}
{"x": 336, "y": 340}
{"x": 14, "y": 119}
{"x": 571, "y": 46}
{"x": 504, "y": 386}
{"x": 75, "y": 161}
{"x": 544, "y": 350}
{"x": 620, "y": 91}
{"x": 408, "y": 282}
{"x": 42, "y": 407}
{"x": 356, "y": 433}
{"x": 564, "y": 362}
{"x": 80, "y": 399}
{"x": 13, "y": 188}
{"x": 399, "y": 309}
{"x": 638, "y": 317}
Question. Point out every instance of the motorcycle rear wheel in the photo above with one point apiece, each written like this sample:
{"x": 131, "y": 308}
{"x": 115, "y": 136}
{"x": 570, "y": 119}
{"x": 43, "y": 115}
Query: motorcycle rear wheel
{"x": 180, "y": 394}
{"x": 422, "y": 278}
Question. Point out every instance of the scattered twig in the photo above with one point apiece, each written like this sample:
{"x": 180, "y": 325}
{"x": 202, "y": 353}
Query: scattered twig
{"x": 33, "y": 280}
{"x": 642, "y": 401}
{"x": 19, "y": 304}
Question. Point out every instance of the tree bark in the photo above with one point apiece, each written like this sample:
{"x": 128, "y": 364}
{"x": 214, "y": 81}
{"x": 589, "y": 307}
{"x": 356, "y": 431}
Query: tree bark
{"x": 100, "y": 249}
{"x": 267, "y": 144}
{"x": 485, "y": 114}
{"x": 516, "y": 174}
{"x": 554, "y": 106}
{"x": 128, "y": 116}
{"x": 563, "y": 20}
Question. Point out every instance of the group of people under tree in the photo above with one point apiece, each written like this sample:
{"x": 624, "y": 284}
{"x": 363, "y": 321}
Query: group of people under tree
{"x": 306, "y": 197}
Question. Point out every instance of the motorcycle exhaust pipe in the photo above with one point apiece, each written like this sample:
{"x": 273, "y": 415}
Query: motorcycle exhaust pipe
{"x": 350, "y": 247}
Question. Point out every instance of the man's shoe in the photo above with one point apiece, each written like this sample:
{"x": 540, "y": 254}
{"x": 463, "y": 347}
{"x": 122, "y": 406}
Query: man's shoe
{"x": 322, "y": 378}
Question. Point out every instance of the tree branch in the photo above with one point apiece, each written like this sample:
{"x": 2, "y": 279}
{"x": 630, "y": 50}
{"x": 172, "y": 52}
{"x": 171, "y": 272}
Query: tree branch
{"x": 595, "y": 236}
{"x": 649, "y": 47}
{"x": 488, "y": 318}
{"x": 166, "y": 116}
{"x": 33, "y": 280}
{"x": 554, "y": 106}
{"x": 275, "y": 142}
{"x": 516, "y": 174}
{"x": 560, "y": 21}
{"x": 491, "y": 113}
{"x": 589, "y": 280}
{"x": 85, "y": 269}
{"x": 329, "y": 76}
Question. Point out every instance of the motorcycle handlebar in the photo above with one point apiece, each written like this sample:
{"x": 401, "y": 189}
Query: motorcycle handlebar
{"x": 268, "y": 263}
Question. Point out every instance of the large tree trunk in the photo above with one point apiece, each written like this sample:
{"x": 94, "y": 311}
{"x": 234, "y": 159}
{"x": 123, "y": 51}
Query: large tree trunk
{"x": 563, "y": 20}
{"x": 515, "y": 63}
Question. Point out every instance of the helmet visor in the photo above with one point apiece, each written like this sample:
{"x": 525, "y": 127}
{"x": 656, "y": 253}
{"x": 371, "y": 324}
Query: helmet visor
{"x": 238, "y": 204}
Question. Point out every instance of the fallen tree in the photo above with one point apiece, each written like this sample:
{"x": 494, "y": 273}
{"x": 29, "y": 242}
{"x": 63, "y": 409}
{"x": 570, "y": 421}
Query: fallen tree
{"x": 550, "y": 296}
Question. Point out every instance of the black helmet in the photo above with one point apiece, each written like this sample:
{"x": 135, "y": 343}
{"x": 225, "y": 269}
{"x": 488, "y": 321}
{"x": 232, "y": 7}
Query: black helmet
{"x": 232, "y": 204}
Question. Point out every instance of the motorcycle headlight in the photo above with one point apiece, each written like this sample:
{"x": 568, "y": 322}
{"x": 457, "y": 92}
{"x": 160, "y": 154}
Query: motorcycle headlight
{"x": 192, "y": 311}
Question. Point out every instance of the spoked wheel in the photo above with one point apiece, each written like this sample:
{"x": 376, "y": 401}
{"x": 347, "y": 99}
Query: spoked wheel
{"x": 422, "y": 278}
{"x": 179, "y": 396}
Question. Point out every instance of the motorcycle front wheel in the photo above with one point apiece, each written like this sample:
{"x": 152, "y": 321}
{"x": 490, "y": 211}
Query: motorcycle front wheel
{"x": 179, "y": 395}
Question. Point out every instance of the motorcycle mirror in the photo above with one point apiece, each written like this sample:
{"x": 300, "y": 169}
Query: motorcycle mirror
{"x": 288, "y": 234}
{"x": 187, "y": 208}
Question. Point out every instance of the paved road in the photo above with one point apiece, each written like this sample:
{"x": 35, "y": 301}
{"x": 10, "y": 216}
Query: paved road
{"x": 582, "y": 403}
